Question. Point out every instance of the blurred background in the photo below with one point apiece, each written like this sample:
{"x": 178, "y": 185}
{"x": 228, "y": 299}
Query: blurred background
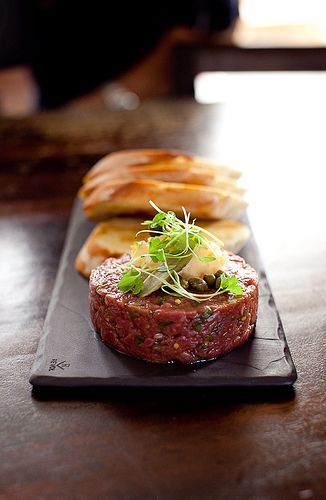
{"x": 116, "y": 55}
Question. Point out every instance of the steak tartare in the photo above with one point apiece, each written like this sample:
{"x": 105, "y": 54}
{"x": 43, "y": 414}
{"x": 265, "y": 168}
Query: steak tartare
{"x": 163, "y": 328}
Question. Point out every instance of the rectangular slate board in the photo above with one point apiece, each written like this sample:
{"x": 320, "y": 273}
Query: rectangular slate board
{"x": 71, "y": 354}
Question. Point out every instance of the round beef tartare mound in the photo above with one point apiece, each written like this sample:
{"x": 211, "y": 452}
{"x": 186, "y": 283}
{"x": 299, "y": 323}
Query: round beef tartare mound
{"x": 162, "y": 328}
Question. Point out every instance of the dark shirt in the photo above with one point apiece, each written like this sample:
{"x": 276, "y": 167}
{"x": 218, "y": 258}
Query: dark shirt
{"x": 73, "y": 46}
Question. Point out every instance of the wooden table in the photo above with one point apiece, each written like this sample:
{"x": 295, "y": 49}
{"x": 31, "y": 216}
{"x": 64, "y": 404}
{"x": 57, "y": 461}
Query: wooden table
{"x": 180, "y": 444}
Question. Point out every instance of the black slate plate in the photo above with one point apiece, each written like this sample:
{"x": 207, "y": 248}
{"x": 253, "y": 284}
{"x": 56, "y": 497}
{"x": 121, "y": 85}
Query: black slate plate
{"x": 70, "y": 354}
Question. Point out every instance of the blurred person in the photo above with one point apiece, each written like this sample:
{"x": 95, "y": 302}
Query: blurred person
{"x": 80, "y": 53}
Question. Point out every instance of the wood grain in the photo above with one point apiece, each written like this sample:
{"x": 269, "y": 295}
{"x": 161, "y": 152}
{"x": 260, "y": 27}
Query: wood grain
{"x": 162, "y": 444}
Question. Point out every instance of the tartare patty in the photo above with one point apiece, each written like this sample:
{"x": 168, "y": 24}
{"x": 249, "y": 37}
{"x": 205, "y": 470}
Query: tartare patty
{"x": 163, "y": 328}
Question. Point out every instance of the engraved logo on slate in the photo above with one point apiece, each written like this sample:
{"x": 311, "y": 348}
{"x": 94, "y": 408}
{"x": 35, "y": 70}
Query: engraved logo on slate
{"x": 54, "y": 364}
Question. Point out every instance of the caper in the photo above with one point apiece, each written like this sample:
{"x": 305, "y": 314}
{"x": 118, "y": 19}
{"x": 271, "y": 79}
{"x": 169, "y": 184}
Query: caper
{"x": 210, "y": 279}
{"x": 218, "y": 275}
{"x": 218, "y": 283}
{"x": 198, "y": 284}
{"x": 184, "y": 283}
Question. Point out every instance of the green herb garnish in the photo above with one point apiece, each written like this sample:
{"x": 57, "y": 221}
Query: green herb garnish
{"x": 230, "y": 284}
{"x": 173, "y": 244}
{"x": 131, "y": 281}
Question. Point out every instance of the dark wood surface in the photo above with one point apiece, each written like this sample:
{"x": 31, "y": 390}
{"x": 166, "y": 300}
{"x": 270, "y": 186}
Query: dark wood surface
{"x": 164, "y": 444}
{"x": 190, "y": 60}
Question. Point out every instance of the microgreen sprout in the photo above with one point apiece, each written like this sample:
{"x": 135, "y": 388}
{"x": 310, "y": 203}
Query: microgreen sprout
{"x": 157, "y": 263}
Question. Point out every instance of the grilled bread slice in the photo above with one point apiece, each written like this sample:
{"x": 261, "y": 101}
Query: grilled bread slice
{"x": 114, "y": 237}
{"x": 132, "y": 197}
{"x": 118, "y": 159}
{"x": 204, "y": 176}
{"x": 151, "y": 157}
{"x": 108, "y": 239}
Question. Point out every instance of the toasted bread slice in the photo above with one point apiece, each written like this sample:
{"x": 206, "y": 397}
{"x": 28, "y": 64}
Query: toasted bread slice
{"x": 114, "y": 237}
{"x": 135, "y": 157}
{"x": 132, "y": 197}
{"x": 108, "y": 239}
{"x": 204, "y": 176}
{"x": 234, "y": 234}
{"x": 151, "y": 157}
